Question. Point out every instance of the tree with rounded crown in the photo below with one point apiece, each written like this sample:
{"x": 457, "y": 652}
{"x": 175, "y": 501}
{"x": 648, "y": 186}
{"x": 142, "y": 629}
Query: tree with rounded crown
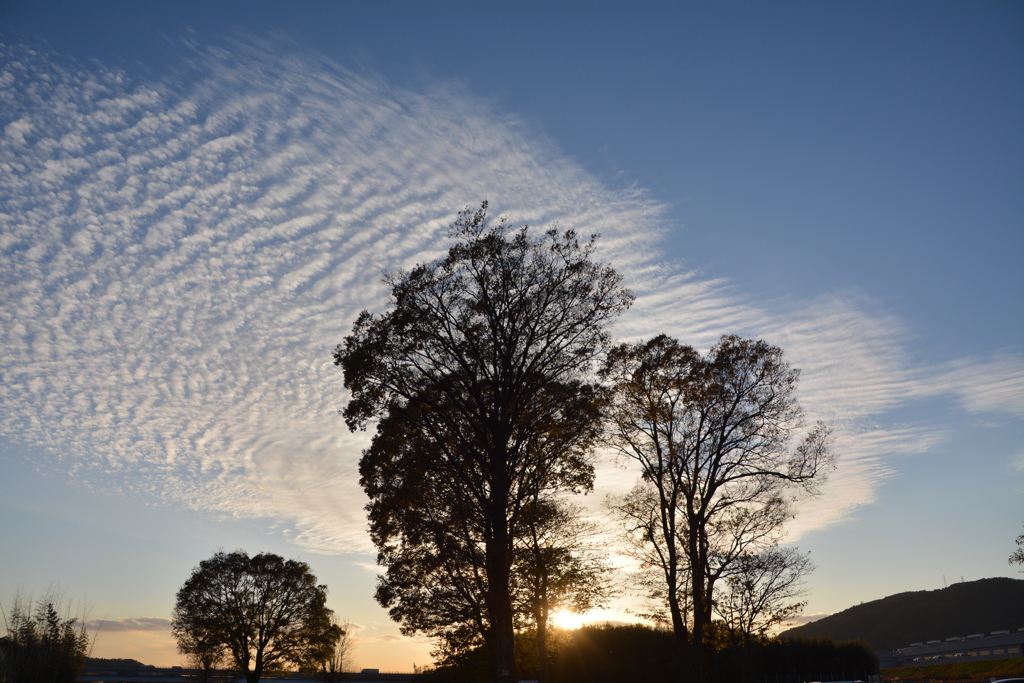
{"x": 266, "y": 612}
{"x": 478, "y": 378}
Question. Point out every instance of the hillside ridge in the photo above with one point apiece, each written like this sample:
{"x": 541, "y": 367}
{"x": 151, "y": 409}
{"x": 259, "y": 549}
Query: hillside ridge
{"x": 897, "y": 620}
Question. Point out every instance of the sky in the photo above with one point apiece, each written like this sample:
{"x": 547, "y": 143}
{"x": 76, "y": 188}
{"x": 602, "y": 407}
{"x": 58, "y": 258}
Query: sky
{"x": 197, "y": 199}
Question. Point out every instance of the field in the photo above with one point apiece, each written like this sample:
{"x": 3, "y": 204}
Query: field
{"x": 959, "y": 672}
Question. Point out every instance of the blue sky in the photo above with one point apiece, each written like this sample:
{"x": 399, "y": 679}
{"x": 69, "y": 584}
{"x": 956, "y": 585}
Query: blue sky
{"x": 198, "y": 198}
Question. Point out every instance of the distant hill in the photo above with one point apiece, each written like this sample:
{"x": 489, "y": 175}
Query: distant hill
{"x": 979, "y": 606}
{"x": 101, "y": 663}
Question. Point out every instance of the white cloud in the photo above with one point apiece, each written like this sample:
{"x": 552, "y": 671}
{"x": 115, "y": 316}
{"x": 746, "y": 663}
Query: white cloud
{"x": 803, "y": 619}
{"x": 17, "y": 130}
{"x": 991, "y": 385}
{"x": 177, "y": 263}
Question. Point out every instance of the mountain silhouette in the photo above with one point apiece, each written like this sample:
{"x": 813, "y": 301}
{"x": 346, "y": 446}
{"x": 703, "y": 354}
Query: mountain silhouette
{"x": 962, "y": 609}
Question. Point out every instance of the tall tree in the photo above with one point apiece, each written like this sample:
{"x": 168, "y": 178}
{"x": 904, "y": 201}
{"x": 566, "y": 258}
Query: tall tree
{"x": 478, "y": 378}
{"x": 712, "y": 435}
{"x": 265, "y": 611}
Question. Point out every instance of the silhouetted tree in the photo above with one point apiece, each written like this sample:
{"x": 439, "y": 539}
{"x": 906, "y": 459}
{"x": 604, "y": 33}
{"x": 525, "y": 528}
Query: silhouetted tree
{"x": 478, "y": 377}
{"x": 42, "y": 647}
{"x": 429, "y": 538}
{"x": 203, "y": 652}
{"x": 652, "y": 525}
{"x": 1018, "y": 555}
{"x": 265, "y": 611}
{"x": 762, "y": 591}
{"x": 342, "y": 657}
{"x": 711, "y": 434}
{"x": 558, "y": 566}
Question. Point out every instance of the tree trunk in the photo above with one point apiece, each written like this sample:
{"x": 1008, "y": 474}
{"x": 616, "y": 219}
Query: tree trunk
{"x": 542, "y": 645}
{"x": 503, "y": 655}
{"x": 679, "y": 629}
{"x": 257, "y": 669}
{"x": 697, "y": 590}
{"x": 499, "y": 571}
{"x": 702, "y": 665}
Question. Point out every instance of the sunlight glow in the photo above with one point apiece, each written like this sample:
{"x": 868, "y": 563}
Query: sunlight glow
{"x": 565, "y": 619}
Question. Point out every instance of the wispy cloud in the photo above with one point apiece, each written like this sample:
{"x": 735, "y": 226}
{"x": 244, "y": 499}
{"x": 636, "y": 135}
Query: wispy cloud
{"x": 127, "y": 624}
{"x": 386, "y": 638}
{"x": 988, "y": 385}
{"x": 803, "y": 619}
{"x": 178, "y": 259}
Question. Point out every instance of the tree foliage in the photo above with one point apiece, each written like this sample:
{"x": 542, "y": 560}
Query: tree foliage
{"x": 44, "y": 645}
{"x": 265, "y": 612}
{"x": 712, "y": 436}
{"x": 478, "y": 380}
{"x": 1018, "y": 555}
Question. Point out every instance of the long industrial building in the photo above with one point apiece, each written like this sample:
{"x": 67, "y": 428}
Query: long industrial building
{"x": 973, "y": 647}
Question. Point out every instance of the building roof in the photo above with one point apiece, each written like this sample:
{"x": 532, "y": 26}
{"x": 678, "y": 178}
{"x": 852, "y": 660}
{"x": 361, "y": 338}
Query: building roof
{"x": 959, "y": 643}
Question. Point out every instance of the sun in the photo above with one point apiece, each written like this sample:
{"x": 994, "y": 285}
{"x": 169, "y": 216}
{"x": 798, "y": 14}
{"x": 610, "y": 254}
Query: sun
{"x": 567, "y": 620}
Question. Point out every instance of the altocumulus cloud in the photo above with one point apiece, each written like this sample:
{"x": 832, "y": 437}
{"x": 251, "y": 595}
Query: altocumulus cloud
{"x": 178, "y": 259}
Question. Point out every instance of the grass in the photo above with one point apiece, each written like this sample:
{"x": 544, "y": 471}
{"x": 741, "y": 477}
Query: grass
{"x": 961, "y": 672}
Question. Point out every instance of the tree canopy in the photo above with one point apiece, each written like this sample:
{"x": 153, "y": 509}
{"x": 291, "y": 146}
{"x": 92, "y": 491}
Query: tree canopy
{"x": 478, "y": 380}
{"x": 265, "y": 612}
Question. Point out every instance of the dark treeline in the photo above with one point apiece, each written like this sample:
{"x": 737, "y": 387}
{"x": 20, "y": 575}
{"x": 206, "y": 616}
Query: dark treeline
{"x": 816, "y": 658}
{"x": 42, "y": 645}
{"x": 114, "y": 663}
{"x": 622, "y": 654}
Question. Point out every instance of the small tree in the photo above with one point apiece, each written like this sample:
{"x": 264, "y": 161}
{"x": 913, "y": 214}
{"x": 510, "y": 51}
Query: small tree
{"x": 654, "y": 540}
{"x": 265, "y": 612}
{"x": 203, "y": 653}
{"x": 763, "y": 591}
{"x": 1018, "y": 555}
{"x": 342, "y": 657}
{"x": 558, "y": 567}
{"x": 42, "y": 647}
{"x": 429, "y": 538}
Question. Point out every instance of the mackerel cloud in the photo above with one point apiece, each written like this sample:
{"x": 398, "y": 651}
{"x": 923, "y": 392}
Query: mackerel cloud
{"x": 179, "y": 258}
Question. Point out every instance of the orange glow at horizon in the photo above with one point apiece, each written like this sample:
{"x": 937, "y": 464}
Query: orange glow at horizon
{"x": 564, "y": 619}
